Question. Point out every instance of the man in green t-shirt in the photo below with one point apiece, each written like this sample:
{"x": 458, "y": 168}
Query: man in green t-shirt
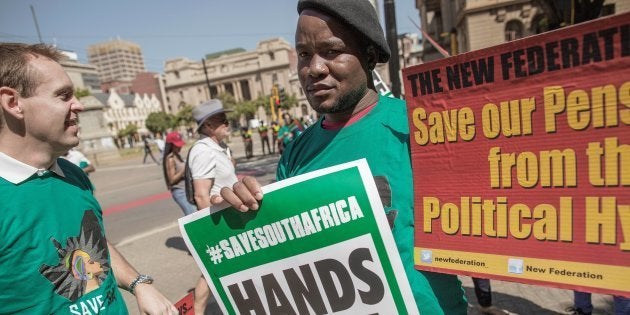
{"x": 54, "y": 257}
{"x": 338, "y": 44}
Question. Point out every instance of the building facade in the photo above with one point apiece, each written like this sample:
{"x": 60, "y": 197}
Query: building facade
{"x": 93, "y": 129}
{"x": 149, "y": 83}
{"x": 122, "y": 110}
{"x": 466, "y": 25}
{"x": 246, "y": 75}
{"x": 83, "y": 76}
{"x": 118, "y": 62}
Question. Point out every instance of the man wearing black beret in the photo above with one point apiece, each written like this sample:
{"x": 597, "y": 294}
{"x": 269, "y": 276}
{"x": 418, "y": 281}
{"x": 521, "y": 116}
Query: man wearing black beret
{"x": 339, "y": 42}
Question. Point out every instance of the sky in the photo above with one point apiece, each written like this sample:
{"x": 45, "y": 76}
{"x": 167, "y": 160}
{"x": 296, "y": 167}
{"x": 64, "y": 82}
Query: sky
{"x": 164, "y": 29}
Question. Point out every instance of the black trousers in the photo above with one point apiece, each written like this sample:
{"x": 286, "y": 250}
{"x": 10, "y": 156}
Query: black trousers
{"x": 483, "y": 291}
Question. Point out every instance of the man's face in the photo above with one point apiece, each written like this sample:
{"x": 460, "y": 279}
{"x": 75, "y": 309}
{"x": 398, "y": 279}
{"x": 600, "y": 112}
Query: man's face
{"x": 218, "y": 126}
{"x": 51, "y": 113}
{"x": 330, "y": 63}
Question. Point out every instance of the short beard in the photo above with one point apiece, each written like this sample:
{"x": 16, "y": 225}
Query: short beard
{"x": 345, "y": 103}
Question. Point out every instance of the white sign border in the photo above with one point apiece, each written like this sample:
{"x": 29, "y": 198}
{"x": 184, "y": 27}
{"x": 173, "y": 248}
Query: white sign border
{"x": 375, "y": 204}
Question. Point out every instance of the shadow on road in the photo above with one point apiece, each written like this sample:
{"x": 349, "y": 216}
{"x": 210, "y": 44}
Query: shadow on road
{"x": 510, "y": 303}
{"x": 177, "y": 242}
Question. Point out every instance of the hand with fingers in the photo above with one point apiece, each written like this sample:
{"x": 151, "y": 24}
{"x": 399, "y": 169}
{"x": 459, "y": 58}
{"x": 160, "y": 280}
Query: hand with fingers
{"x": 243, "y": 196}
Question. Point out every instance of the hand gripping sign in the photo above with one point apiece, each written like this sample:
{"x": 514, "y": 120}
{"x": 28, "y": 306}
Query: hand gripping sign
{"x": 309, "y": 249}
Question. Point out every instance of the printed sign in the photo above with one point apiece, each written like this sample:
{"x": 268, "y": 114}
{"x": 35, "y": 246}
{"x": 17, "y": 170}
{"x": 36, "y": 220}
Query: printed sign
{"x": 521, "y": 159}
{"x": 319, "y": 244}
{"x": 186, "y": 306}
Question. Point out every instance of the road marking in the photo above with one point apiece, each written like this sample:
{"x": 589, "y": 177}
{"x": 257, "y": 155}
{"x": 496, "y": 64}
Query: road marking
{"x": 148, "y": 233}
{"x": 100, "y": 192}
{"x": 123, "y": 167}
{"x": 137, "y": 203}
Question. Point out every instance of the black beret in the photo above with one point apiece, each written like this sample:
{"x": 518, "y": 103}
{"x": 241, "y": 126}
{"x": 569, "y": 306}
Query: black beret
{"x": 358, "y": 14}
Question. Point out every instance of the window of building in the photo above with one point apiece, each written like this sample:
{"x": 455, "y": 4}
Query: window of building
{"x": 272, "y": 56}
{"x": 304, "y": 110}
{"x": 229, "y": 88}
{"x": 176, "y": 73}
{"x": 274, "y": 78}
{"x": 247, "y": 94}
{"x": 513, "y": 30}
{"x": 608, "y": 9}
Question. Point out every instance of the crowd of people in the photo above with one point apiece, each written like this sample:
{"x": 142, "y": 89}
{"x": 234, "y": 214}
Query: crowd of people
{"x": 338, "y": 44}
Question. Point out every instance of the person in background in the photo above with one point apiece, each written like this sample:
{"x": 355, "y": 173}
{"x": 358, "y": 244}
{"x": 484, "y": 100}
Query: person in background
{"x": 338, "y": 44}
{"x": 263, "y": 131}
{"x": 582, "y": 304}
{"x": 211, "y": 167}
{"x": 247, "y": 141}
{"x": 147, "y": 151}
{"x": 159, "y": 143}
{"x": 483, "y": 292}
{"x": 55, "y": 256}
{"x": 285, "y": 134}
{"x": 77, "y": 158}
{"x": 274, "y": 137}
{"x": 173, "y": 167}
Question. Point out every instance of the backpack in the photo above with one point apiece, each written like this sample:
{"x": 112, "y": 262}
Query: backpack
{"x": 188, "y": 182}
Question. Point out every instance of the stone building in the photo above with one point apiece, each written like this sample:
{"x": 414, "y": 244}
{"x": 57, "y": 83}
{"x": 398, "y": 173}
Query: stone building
{"x": 83, "y": 76}
{"x": 118, "y": 61}
{"x": 246, "y": 75}
{"x": 121, "y": 110}
{"x": 467, "y": 25}
{"x": 93, "y": 130}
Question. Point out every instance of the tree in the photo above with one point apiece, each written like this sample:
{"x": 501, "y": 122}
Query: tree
{"x": 79, "y": 93}
{"x": 229, "y": 102}
{"x": 184, "y": 117}
{"x": 290, "y": 101}
{"x": 130, "y": 130}
{"x": 247, "y": 109}
{"x": 159, "y": 122}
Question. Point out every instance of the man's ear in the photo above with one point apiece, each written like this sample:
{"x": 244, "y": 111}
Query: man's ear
{"x": 9, "y": 102}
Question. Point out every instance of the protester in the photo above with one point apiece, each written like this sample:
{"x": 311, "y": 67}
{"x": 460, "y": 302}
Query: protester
{"x": 483, "y": 292}
{"x": 77, "y": 158}
{"x": 274, "y": 137}
{"x": 582, "y": 304}
{"x": 247, "y": 142}
{"x": 263, "y": 131}
{"x": 148, "y": 152}
{"x": 212, "y": 168}
{"x": 338, "y": 44}
{"x": 285, "y": 134}
{"x": 173, "y": 167}
{"x": 54, "y": 255}
{"x": 160, "y": 144}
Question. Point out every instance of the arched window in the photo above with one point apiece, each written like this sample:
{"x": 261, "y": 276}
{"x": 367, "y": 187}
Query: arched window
{"x": 513, "y": 30}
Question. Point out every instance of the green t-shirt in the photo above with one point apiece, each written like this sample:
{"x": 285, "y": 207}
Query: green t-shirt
{"x": 53, "y": 254}
{"x": 382, "y": 137}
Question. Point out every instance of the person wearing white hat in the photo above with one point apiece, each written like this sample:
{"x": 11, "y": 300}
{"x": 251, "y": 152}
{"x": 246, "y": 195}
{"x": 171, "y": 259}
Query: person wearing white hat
{"x": 211, "y": 168}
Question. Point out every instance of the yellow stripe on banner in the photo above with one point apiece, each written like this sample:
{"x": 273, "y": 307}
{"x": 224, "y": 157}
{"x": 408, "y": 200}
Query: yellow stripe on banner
{"x": 558, "y": 271}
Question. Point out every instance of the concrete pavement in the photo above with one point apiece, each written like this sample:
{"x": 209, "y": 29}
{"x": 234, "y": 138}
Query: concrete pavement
{"x": 162, "y": 253}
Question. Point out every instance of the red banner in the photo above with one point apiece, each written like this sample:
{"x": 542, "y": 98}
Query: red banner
{"x": 521, "y": 159}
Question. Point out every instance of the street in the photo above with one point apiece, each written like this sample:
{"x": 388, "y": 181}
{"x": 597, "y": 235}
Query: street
{"x": 141, "y": 220}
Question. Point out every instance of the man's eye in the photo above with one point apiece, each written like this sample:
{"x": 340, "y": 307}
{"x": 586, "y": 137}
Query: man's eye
{"x": 303, "y": 54}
